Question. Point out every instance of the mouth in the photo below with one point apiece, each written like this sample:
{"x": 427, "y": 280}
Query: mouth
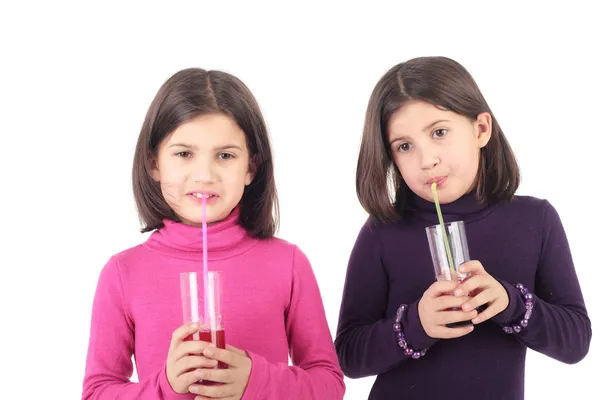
{"x": 205, "y": 196}
{"x": 200, "y": 195}
{"x": 438, "y": 179}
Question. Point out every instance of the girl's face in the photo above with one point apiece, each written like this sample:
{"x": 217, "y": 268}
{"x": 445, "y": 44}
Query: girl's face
{"x": 206, "y": 156}
{"x": 429, "y": 144}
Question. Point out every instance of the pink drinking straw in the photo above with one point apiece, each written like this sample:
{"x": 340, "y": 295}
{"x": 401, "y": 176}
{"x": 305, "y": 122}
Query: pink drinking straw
{"x": 204, "y": 257}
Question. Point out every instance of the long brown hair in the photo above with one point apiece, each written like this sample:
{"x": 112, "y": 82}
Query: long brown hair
{"x": 186, "y": 95}
{"x": 443, "y": 83}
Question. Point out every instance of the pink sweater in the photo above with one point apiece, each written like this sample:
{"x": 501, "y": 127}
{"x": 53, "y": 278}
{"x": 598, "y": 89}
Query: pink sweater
{"x": 271, "y": 304}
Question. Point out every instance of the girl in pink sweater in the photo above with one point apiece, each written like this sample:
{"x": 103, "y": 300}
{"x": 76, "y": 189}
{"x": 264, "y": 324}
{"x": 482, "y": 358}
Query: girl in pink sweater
{"x": 204, "y": 135}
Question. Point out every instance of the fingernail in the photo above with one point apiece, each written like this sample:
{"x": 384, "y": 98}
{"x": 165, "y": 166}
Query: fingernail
{"x": 466, "y": 307}
{"x": 193, "y": 389}
{"x": 475, "y": 320}
{"x": 194, "y": 326}
{"x": 208, "y": 352}
{"x": 458, "y": 292}
{"x": 461, "y": 269}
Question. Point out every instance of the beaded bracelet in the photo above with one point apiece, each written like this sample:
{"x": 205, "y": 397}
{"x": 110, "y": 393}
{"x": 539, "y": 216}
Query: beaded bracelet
{"x": 528, "y": 297}
{"x": 409, "y": 351}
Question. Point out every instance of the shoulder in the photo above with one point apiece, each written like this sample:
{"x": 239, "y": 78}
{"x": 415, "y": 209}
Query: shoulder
{"x": 130, "y": 255}
{"x": 126, "y": 261}
{"x": 531, "y": 207}
{"x": 539, "y": 214}
{"x": 528, "y": 202}
{"x": 281, "y": 250}
{"x": 523, "y": 208}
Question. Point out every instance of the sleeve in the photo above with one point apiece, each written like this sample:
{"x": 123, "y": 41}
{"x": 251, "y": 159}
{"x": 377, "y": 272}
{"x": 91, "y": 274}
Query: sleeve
{"x": 558, "y": 326}
{"x": 365, "y": 341}
{"x": 315, "y": 374}
{"x": 108, "y": 365}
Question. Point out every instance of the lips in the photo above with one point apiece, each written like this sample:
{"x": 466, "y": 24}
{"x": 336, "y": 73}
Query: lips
{"x": 437, "y": 179}
{"x": 200, "y": 195}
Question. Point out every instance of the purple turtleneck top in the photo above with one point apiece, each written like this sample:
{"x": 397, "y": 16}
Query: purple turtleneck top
{"x": 522, "y": 241}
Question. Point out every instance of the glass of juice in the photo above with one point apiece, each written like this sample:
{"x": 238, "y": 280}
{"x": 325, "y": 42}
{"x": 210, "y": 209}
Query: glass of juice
{"x": 458, "y": 252}
{"x": 204, "y": 310}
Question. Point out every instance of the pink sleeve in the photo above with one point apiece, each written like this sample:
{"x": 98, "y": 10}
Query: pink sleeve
{"x": 109, "y": 366}
{"x": 315, "y": 374}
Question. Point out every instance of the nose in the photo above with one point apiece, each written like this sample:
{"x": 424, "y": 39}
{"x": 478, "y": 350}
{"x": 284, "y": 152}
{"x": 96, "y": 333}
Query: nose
{"x": 203, "y": 170}
{"x": 429, "y": 157}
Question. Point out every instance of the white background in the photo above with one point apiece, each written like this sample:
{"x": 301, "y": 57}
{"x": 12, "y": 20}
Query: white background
{"x": 76, "y": 81}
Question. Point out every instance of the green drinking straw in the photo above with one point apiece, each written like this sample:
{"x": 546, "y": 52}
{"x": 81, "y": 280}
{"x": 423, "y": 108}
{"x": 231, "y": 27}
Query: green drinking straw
{"x": 443, "y": 226}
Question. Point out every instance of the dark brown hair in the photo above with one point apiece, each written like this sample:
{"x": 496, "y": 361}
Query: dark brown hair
{"x": 443, "y": 83}
{"x": 188, "y": 94}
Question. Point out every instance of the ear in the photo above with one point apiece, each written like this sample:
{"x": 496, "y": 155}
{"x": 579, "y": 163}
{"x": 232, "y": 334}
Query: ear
{"x": 483, "y": 129}
{"x": 250, "y": 174}
{"x": 154, "y": 172}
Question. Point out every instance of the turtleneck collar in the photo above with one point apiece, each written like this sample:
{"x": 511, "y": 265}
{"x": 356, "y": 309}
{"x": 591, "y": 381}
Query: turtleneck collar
{"x": 225, "y": 239}
{"x": 467, "y": 208}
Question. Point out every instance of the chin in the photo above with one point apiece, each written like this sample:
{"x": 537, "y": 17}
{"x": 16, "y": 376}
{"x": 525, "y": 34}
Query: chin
{"x": 443, "y": 197}
{"x": 196, "y": 220}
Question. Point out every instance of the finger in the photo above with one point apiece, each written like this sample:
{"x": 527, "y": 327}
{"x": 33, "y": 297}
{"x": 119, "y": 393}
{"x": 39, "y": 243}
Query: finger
{"x": 212, "y": 398}
{"x": 443, "y": 332}
{"x": 225, "y": 356}
{"x": 236, "y": 350}
{"x": 439, "y": 288}
{"x": 471, "y": 284}
{"x": 213, "y": 391}
{"x": 189, "y": 378}
{"x": 446, "y": 302}
{"x": 492, "y": 310}
{"x": 450, "y": 317}
{"x": 474, "y": 267}
{"x": 181, "y": 333}
{"x": 218, "y": 375}
{"x": 482, "y": 298}
{"x": 190, "y": 363}
{"x": 192, "y": 347}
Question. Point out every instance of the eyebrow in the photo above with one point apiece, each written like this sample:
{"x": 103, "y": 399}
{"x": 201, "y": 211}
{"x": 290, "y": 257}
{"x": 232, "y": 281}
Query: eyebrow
{"x": 193, "y": 147}
{"x": 428, "y": 127}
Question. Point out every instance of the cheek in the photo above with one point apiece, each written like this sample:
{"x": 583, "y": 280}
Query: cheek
{"x": 236, "y": 181}
{"x": 406, "y": 167}
{"x": 171, "y": 176}
{"x": 466, "y": 163}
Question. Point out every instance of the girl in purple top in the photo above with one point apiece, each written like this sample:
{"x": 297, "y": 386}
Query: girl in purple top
{"x": 428, "y": 122}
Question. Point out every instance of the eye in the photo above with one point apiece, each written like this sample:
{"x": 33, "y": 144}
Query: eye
{"x": 183, "y": 154}
{"x": 404, "y": 147}
{"x": 439, "y": 133}
{"x": 225, "y": 156}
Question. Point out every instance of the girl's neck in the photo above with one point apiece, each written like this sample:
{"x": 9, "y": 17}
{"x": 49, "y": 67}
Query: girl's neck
{"x": 466, "y": 208}
{"x": 225, "y": 239}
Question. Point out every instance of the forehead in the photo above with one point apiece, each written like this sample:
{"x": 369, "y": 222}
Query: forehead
{"x": 413, "y": 117}
{"x": 209, "y": 128}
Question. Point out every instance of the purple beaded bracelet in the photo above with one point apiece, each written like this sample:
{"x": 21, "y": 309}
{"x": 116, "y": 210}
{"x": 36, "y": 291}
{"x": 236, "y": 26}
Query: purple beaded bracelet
{"x": 409, "y": 351}
{"x": 528, "y": 297}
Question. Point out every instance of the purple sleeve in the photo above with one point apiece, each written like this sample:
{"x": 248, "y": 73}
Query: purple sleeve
{"x": 365, "y": 340}
{"x": 559, "y": 326}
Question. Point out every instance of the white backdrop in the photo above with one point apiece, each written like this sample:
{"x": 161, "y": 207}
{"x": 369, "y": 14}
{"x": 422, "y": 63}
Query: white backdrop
{"x": 76, "y": 81}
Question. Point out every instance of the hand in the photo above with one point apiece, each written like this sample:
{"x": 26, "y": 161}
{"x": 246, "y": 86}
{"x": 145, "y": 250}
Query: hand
{"x": 487, "y": 290}
{"x": 234, "y": 378}
{"x": 434, "y": 311}
{"x": 185, "y": 359}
